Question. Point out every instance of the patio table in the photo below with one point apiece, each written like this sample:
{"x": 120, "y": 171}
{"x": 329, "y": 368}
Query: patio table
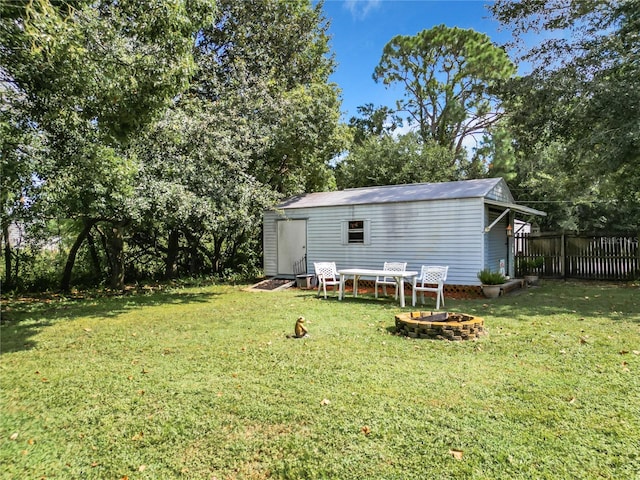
{"x": 356, "y": 273}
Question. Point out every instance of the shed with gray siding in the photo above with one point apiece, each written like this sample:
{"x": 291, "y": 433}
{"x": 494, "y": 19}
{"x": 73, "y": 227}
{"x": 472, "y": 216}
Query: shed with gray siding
{"x": 460, "y": 224}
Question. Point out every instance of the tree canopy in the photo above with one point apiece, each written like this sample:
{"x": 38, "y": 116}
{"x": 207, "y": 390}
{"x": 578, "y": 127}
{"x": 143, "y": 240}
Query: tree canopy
{"x": 144, "y": 139}
{"x": 583, "y": 93}
{"x": 448, "y": 75}
{"x": 166, "y": 128}
{"x": 385, "y": 160}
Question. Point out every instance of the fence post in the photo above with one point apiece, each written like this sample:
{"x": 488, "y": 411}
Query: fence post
{"x": 563, "y": 259}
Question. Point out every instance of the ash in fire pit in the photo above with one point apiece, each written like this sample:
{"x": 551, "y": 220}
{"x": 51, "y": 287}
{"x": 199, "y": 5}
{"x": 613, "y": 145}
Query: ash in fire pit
{"x": 440, "y": 317}
{"x": 441, "y": 325}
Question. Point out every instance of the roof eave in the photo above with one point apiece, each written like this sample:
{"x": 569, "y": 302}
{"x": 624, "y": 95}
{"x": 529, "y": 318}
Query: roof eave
{"x": 516, "y": 208}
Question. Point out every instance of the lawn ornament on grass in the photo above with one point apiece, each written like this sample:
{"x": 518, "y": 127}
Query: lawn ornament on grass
{"x": 300, "y": 330}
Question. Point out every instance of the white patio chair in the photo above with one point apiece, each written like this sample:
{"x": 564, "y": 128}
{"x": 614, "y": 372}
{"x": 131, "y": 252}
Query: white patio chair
{"x": 431, "y": 279}
{"x": 327, "y": 275}
{"x": 384, "y": 281}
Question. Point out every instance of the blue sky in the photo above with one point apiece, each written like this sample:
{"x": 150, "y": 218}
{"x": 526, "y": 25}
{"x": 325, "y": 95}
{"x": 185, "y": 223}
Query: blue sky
{"x": 361, "y": 28}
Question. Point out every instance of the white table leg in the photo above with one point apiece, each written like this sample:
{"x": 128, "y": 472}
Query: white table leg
{"x": 401, "y": 282}
{"x": 341, "y": 287}
{"x": 355, "y": 286}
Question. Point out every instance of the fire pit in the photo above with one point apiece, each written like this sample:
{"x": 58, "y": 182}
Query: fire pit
{"x": 440, "y": 325}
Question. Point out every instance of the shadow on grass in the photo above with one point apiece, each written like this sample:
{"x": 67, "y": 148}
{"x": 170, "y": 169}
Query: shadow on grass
{"x": 607, "y": 300}
{"x": 22, "y": 319}
{"x": 614, "y": 301}
{"x": 364, "y": 299}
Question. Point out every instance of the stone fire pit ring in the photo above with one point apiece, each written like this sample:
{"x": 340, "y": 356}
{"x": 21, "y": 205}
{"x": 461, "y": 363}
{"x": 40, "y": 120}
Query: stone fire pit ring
{"x": 440, "y": 325}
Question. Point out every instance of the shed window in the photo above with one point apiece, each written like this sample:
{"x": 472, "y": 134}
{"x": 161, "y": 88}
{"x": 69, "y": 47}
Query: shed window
{"x": 355, "y": 232}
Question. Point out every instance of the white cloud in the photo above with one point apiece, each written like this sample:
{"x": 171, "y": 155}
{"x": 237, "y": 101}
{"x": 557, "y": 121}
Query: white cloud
{"x": 360, "y": 8}
{"x": 404, "y": 129}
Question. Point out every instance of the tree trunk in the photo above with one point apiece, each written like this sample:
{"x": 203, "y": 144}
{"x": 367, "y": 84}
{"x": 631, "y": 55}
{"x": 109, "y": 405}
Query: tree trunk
{"x": 194, "y": 257}
{"x": 105, "y": 247}
{"x": 117, "y": 250}
{"x": 217, "y": 253}
{"x": 171, "y": 264}
{"x": 95, "y": 258}
{"x": 65, "y": 283}
{"x": 8, "y": 280}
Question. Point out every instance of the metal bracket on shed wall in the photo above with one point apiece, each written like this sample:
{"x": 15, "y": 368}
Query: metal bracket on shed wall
{"x": 488, "y": 229}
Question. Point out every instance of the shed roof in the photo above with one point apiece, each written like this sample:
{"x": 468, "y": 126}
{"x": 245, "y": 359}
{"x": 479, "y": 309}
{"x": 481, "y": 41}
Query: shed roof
{"x": 492, "y": 189}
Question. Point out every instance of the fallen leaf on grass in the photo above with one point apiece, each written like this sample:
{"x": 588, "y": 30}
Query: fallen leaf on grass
{"x": 14, "y": 436}
{"x": 325, "y": 401}
{"x": 366, "y": 430}
{"x": 457, "y": 454}
{"x": 87, "y": 329}
{"x": 583, "y": 340}
{"x": 137, "y": 436}
{"x": 572, "y": 400}
{"x": 623, "y": 352}
{"x": 142, "y": 468}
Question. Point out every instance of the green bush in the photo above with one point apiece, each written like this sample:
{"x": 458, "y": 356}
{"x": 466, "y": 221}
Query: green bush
{"x": 530, "y": 265}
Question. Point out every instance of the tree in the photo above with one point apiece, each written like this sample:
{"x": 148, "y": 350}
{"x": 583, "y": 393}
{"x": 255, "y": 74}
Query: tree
{"x": 495, "y": 156}
{"x": 448, "y": 75}
{"x": 388, "y": 161}
{"x": 191, "y": 126}
{"x": 94, "y": 73}
{"x": 373, "y": 122}
{"x": 583, "y": 93}
{"x": 20, "y": 148}
{"x": 194, "y": 192}
{"x": 277, "y": 53}
{"x": 259, "y": 121}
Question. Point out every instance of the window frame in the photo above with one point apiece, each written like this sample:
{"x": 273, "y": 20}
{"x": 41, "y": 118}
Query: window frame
{"x": 347, "y": 231}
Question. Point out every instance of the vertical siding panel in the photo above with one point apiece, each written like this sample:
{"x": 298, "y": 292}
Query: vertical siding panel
{"x": 270, "y": 243}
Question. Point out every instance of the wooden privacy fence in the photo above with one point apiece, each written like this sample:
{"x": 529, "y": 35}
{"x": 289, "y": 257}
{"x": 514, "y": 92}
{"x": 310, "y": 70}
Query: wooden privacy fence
{"x": 569, "y": 255}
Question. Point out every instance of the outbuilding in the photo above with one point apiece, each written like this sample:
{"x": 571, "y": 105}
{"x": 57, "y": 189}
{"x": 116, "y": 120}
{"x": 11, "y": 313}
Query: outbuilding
{"x": 466, "y": 225}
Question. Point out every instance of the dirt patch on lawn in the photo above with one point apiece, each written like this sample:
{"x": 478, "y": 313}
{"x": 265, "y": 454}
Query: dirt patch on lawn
{"x": 273, "y": 284}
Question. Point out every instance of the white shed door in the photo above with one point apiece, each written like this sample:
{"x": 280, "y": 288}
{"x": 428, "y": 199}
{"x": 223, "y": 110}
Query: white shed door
{"x": 292, "y": 244}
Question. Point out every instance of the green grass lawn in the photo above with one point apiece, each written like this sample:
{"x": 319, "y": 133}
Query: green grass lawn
{"x": 203, "y": 383}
